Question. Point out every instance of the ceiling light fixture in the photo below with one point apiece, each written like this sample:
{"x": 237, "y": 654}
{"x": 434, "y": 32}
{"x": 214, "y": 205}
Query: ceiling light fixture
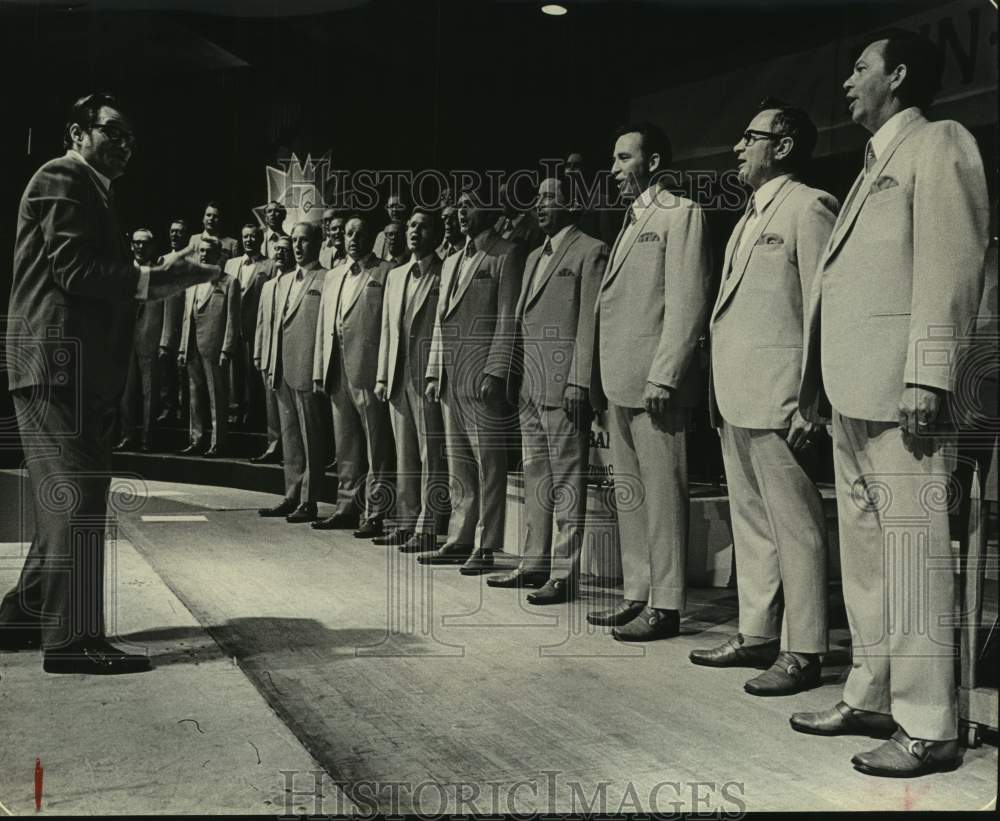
{"x": 554, "y": 10}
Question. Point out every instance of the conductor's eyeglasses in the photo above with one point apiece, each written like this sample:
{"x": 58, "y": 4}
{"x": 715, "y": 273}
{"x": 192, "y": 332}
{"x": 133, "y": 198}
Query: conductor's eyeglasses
{"x": 116, "y": 134}
{"x": 750, "y": 136}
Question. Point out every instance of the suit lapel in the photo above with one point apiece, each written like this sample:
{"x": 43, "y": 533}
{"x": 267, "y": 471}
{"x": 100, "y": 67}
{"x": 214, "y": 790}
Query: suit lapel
{"x": 611, "y": 273}
{"x": 858, "y": 195}
{"x": 551, "y": 268}
{"x": 741, "y": 259}
{"x": 366, "y": 277}
{"x": 477, "y": 260}
{"x": 424, "y": 288}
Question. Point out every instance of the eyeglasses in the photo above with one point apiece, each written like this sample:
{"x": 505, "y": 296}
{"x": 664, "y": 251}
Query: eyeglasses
{"x": 116, "y": 134}
{"x": 750, "y": 136}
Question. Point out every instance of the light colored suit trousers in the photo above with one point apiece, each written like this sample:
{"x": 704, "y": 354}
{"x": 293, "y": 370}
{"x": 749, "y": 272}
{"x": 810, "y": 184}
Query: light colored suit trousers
{"x": 421, "y": 471}
{"x": 779, "y": 536}
{"x": 899, "y": 582}
{"x": 651, "y": 494}
{"x": 302, "y": 443}
{"x": 555, "y": 452}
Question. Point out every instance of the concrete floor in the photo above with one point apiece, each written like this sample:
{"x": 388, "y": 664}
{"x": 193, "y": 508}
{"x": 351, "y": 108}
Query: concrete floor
{"x": 290, "y": 661}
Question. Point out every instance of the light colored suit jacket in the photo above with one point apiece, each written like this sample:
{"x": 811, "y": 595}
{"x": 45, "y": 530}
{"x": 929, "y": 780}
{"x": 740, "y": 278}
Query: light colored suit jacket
{"x": 362, "y": 326}
{"x": 230, "y": 247}
{"x": 293, "y": 332}
{"x": 475, "y": 330}
{"x": 149, "y": 328}
{"x": 173, "y": 318}
{"x": 527, "y": 233}
{"x": 265, "y": 326}
{"x": 758, "y": 324}
{"x": 254, "y": 276}
{"x": 217, "y": 320}
{"x": 398, "y": 363}
{"x": 653, "y": 305}
{"x": 900, "y": 280}
{"x": 555, "y": 315}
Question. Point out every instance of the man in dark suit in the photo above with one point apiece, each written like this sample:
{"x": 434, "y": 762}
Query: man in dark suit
{"x": 410, "y": 305}
{"x": 551, "y": 376}
{"x": 73, "y": 272}
{"x": 251, "y": 271}
{"x": 345, "y": 362}
{"x": 293, "y": 337}
{"x": 467, "y": 372}
{"x": 174, "y": 390}
{"x": 651, "y": 311}
{"x": 210, "y": 340}
{"x": 143, "y": 382}
{"x": 896, "y": 293}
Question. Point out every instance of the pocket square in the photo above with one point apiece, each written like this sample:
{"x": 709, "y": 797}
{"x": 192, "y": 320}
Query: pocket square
{"x": 373, "y": 283}
{"x": 884, "y": 183}
{"x": 218, "y": 291}
{"x": 771, "y": 239}
{"x": 649, "y": 236}
{"x": 314, "y": 292}
{"x": 566, "y": 272}
{"x": 481, "y": 275}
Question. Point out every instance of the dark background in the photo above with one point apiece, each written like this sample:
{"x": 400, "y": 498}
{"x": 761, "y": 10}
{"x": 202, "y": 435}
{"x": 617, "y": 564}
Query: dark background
{"x": 407, "y": 84}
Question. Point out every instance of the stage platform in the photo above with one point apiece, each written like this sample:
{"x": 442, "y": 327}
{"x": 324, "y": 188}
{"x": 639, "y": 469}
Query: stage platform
{"x": 291, "y": 662}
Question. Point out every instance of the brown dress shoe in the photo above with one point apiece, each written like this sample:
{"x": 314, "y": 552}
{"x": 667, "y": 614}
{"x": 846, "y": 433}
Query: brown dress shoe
{"x": 841, "y": 719}
{"x": 737, "y": 653}
{"x": 455, "y": 554}
{"x": 285, "y": 507}
{"x": 477, "y": 564}
{"x": 369, "y": 529}
{"x": 905, "y": 757}
{"x": 338, "y": 521}
{"x": 554, "y": 591}
{"x": 399, "y": 536}
{"x": 419, "y": 543}
{"x": 651, "y": 624}
{"x": 786, "y": 676}
{"x": 620, "y": 614}
{"x": 305, "y": 512}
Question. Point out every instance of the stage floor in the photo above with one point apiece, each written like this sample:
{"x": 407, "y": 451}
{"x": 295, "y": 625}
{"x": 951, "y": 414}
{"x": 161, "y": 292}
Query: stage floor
{"x": 291, "y": 663}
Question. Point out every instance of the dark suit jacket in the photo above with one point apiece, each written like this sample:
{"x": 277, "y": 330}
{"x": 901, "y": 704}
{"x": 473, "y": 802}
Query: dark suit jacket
{"x": 72, "y": 302}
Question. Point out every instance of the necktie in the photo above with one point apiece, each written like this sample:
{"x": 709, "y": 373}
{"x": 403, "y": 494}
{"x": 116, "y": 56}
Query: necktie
{"x": 470, "y": 249}
{"x": 751, "y": 214}
{"x": 630, "y": 217}
{"x": 540, "y": 267}
{"x": 547, "y": 248}
{"x": 869, "y": 157}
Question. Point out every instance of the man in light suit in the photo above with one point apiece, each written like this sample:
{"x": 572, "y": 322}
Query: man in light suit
{"x": 332, "y": 253}
{"x": 210, "y": 340}
{"x": 284, "y": 261}
{"x": 560, "y": 287}
{"x": 274, "y": 230}
{"x": 651, "y": 310}
{"x": 69, "y": 340}
{"x": 345, "y": 366}
{"x": 297, "y": 296}
{"x": 212, "y": 224}
{"x": 251, "y": 271}
{"x": 174, "y": 390}
{"x": 896, "y": 292}
{"x": 143, "y": 382}
{"x": 471, "y": 351}
{"x": 411, "y": 299}
{"x": 779, "y": 531}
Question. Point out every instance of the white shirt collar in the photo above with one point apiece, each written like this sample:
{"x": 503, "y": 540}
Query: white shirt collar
{"x": 768, "y": 191}
{"x": 76, "y": 155}
{"x": 425, "y": 263}
{"x": 645, "y": 199}
{"x": 890, "y": 129}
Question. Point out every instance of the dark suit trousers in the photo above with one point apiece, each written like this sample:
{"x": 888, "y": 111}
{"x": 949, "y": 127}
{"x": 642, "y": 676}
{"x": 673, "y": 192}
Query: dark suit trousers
{"x": 302, "y": 443}
{"x": 67, "y": 449}
{"x": 142, "y": 391}
{"x": 247, "y": 386}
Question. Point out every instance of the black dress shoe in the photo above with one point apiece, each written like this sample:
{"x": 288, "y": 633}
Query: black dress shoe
{"x": 554, "y": 591}
{"x": 419, "y": 543}
{"x": 145, "y": 448}
{"x": 397, "y": 537}
{"x": 737, "y": 653}
{"x": 194, "y": 449}
{"x": 164, "y": 417}
{"x": 282, "y": 509}
{"x": 370, "y": 528}
{"x": 620, "y": 614}
{"x": 787, "y": 676}
{"x": 306, "y": 512}
{"x": 128, "y": 443}
{"x": 338, "y": 521}
{"x": 94, "y": 657}
{"x": 14, "y": 639}
{"x": 271, "y": 456}
{"x": 456, "y": 554}
{"x": 331, "y": 467}
{"x": 477, "y": 564}
{"x": 518, "y": 578}
{"x": 842, "y": 719}
{"x": 651, "y": 624}
{"x": 214, "y": 453}
{"x": 905, "y": 757}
